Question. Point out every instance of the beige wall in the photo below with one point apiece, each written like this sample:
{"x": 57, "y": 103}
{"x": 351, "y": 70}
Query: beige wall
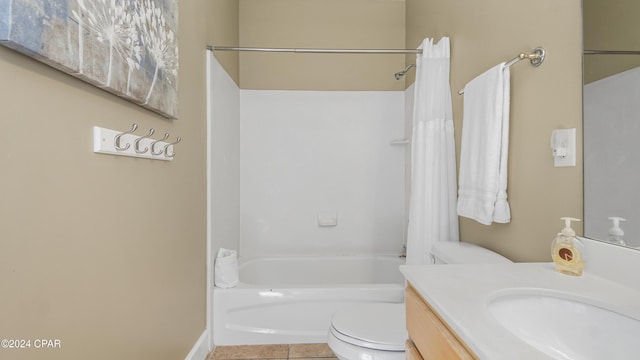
{"x": 224, "y": 30}
{"x": 484, "y": 33}
{"x": 342, "y": 24}
{"x": 105, "y": 253}
{"x": 610, "y": 25}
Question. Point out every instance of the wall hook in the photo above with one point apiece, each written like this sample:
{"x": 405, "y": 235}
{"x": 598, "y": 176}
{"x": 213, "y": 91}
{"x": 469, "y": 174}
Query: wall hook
{"x": 136, "y": 143}
{"x": 117, "y": 138}
{"x": 166, "y": 148}
{"x": 153, "y": 145}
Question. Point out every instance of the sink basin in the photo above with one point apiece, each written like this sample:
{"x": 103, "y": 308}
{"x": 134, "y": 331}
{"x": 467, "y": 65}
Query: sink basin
{"x": 566, "y": 328}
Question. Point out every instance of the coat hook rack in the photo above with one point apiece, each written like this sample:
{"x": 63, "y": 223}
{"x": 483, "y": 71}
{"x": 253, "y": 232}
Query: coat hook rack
{"x": 114, "y": 142}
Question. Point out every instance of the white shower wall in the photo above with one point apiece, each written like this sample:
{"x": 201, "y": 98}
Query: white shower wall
{"x": 224, "y": 158}
{"x": 305, "y": 153}
{"x": 223, "y": 170}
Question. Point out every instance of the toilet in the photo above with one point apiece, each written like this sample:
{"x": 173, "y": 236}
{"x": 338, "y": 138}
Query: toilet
{"x": 376, "y": 331}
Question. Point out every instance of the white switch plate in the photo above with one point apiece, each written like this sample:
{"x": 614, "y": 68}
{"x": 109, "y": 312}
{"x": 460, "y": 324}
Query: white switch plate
{"x": 568, "y": 138}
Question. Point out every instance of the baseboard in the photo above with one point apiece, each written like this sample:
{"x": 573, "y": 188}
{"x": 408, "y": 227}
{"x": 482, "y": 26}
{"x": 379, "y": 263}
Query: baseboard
{"x": 201, "y": 348}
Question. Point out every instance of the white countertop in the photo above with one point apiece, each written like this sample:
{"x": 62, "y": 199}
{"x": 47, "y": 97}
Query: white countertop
{"x": 461, "y": 293}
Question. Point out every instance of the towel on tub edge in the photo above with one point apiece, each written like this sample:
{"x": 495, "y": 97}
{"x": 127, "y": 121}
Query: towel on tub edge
{"x": 226, "y": 269}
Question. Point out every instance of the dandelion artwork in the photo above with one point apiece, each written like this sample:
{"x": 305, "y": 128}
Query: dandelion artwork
{"x": 127, "y": 47}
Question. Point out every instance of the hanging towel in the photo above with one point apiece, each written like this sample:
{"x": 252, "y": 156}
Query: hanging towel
{"x": 482, "y": 192}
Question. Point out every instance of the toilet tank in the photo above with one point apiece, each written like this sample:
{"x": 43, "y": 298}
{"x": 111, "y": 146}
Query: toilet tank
{"x": 449, "y": 252}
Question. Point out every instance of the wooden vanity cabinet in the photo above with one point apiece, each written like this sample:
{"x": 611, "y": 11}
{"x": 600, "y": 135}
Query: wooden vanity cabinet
{"x": 429, "y": 336}
{"x": 412, "y": 352}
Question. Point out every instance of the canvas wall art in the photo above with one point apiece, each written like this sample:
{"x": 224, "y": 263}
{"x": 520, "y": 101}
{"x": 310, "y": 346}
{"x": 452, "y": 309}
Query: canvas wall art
{"x": 127, "y": 47}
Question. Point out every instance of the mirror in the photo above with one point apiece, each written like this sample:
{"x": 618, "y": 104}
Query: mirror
{"x": 611, "y": 124}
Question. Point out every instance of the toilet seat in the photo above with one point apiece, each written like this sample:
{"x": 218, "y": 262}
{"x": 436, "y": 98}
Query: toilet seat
{"x": 379, "y": 326}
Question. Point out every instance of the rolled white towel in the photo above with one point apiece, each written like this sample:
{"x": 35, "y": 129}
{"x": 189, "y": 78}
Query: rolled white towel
{"x": 226, "y": 274}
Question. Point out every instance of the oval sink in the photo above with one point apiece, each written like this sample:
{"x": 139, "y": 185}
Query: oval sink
{"x": 568, "y": 329}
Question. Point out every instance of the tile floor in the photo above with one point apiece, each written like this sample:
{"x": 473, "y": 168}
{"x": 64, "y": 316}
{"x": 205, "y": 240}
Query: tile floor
{"x": 279, "y": 352}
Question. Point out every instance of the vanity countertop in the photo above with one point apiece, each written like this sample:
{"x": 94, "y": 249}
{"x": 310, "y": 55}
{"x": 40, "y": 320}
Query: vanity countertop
{"x": 460, "y": 293}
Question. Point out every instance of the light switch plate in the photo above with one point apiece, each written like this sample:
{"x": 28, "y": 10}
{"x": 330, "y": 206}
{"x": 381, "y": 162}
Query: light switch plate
{"x": 567, "y": 137}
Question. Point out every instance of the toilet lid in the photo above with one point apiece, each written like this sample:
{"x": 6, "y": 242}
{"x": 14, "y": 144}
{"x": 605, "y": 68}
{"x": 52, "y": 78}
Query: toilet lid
{"x": 378, "y": 326}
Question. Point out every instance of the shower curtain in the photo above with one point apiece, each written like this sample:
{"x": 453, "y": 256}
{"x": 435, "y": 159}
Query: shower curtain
{"x": 432, "y": 204}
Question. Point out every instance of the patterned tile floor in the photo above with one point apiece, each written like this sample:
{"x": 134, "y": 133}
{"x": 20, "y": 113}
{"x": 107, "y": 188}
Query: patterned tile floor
{"x": 273, "y": 352}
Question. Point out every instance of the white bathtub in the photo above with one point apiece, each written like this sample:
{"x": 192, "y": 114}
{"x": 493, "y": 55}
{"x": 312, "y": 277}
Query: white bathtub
{"x": 291, "y": 300}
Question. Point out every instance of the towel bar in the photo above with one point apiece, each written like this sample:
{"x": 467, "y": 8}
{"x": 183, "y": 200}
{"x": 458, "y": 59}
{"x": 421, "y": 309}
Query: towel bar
{"x": 535, "y": 58}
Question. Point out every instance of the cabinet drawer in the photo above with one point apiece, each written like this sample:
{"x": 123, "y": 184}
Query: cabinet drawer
{"x": 429, "y": 333}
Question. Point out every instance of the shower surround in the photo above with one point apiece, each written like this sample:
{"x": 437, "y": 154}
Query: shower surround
{"x": 305, "y": 154}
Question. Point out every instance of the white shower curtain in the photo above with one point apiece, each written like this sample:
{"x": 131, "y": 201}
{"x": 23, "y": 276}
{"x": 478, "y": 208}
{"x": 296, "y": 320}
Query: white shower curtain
{"x": 432, "y": 207}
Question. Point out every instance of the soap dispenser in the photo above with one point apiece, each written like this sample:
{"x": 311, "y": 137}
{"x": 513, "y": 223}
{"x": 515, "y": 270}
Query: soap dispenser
{"x": 615, "y": 233}
{"x": 566, "y": 250}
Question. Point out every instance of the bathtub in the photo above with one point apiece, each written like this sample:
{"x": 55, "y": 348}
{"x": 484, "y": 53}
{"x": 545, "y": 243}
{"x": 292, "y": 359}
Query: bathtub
{"x": 291, "y": 300}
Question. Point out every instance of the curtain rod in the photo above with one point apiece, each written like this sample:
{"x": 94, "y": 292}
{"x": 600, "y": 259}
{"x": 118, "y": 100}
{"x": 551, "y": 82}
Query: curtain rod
{"x": 318, "y": 51}
{"x": 611, "y": 52}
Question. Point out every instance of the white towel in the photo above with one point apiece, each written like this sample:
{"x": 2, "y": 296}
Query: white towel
{"x": 226, "y": 269}
{"x": 482, "y": 192}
